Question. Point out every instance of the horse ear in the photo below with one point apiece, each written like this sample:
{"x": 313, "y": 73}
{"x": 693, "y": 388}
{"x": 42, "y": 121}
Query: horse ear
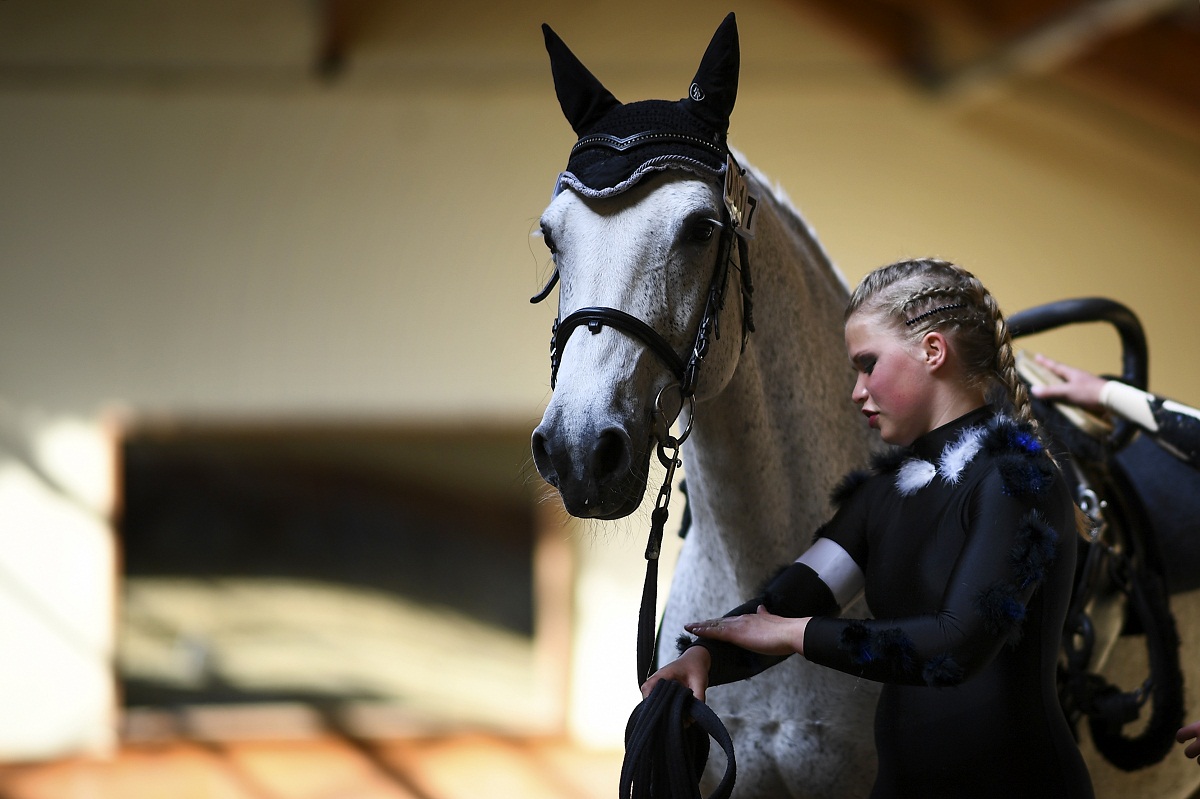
{"x": 714, "y": 89}
{"x": 584, "y": 99}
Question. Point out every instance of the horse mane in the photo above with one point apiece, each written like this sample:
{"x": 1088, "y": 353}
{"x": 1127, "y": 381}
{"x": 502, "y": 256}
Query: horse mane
{"x": 794, "y": 219}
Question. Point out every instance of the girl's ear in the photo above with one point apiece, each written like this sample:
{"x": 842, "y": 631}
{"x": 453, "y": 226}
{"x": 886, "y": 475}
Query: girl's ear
{"x": 935, "y": 348}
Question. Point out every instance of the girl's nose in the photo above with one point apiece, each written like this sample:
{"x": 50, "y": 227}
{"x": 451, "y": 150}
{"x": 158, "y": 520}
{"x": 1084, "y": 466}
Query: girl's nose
{"x": 859, "y": 394}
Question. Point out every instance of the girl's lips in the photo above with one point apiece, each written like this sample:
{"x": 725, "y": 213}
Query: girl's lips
{"x": 872, "y": 418}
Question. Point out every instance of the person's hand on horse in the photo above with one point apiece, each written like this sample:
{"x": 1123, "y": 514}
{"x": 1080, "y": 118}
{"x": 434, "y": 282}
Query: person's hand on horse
{"x": 1079, "y": 387}
{"x": 762, "y": 632}
{"x": 690, "y": 668}
{"x": 1190, "y": 733}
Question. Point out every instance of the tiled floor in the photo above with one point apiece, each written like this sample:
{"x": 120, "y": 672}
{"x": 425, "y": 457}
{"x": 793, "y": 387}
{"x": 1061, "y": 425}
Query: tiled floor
{"x": 327, "y": 767}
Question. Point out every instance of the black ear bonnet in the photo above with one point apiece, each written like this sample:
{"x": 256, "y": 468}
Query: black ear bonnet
{"x": 620, "y": 143}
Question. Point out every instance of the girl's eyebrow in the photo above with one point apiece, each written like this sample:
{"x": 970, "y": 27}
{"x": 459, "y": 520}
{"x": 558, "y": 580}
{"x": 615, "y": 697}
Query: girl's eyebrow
{"x": 860, "y": 359}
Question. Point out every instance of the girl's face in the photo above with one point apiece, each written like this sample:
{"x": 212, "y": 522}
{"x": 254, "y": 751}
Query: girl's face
{"x": 893, "y": 385}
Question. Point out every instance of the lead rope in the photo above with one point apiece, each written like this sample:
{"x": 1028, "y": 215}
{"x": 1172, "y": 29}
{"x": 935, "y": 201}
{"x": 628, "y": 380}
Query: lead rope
{"x": 647, "y": 640}
{"x": 666, "y": 739}
{"x": 666, "y": 747}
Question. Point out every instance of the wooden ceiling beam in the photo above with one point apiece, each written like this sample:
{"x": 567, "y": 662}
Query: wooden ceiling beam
{"x": 1140, "y": 52}
{"x": 1048, "y": 47}
{"x": 1157, "y": 61}
{"x": 339, "y": 25}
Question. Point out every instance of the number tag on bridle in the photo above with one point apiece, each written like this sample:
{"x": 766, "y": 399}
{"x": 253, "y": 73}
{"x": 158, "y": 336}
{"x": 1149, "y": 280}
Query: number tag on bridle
{"x": 740, "y": 203}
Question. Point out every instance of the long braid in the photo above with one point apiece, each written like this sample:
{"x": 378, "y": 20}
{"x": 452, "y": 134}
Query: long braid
{"x": 1006, "y": 365}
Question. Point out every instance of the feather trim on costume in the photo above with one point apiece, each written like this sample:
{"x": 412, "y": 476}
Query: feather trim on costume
{"x": 942, "y": 671}
{"x": 889, "y": 459}
{"x": 889, "y": 646}
{"x": 956, "y": 456}
{"x": 914, "y": 475}
{"x": 895, "y": 648}
{"x": 881, "y": 463}
{"x": 1023, "y": 476}
{"x": 1034, "y": 549}
{"x": 1001, "y": 609}
{"x": 1020, "y": 457}
{"x": 856, "y": 641}
{"x": 847, "y": 486}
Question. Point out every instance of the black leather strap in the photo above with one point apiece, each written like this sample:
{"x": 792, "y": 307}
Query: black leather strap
{"x": 666, "y": 747}
{"x": 595, "y": 318}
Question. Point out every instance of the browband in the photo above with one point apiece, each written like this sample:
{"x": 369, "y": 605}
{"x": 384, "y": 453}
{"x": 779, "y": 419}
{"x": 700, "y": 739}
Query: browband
{"x": 646, "y": 137}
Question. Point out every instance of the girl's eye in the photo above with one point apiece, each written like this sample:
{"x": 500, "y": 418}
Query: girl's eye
{"x": 867, "y": 365}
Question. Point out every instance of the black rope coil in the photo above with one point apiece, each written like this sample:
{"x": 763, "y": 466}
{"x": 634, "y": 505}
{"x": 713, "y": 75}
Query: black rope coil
{"x": 666, "y": 746}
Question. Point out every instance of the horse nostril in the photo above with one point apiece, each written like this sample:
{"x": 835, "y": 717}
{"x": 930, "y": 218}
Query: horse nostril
{"x": 543, "y": 460}
{"x": 611, "y": 456}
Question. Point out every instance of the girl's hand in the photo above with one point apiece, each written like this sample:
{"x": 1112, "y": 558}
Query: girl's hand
{"x": 761, "y": 632}
{"x": 1078, "y": 388}
{"x": 1190, "y": 733}
{"x": 690, "y": 668}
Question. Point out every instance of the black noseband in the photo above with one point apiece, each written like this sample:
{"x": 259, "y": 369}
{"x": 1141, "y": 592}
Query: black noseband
{"x": 740, "y": 206}
{"x": 595, "y": 318}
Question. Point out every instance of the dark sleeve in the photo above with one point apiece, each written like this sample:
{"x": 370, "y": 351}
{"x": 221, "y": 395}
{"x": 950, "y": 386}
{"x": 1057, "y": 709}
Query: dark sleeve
{"x": 1178, "y": 430}
{"x": 797, "y": 591}
{"x": 1008, "y": 548}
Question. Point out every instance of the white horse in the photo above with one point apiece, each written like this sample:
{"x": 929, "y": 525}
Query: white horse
{"x": 772, "y": 431}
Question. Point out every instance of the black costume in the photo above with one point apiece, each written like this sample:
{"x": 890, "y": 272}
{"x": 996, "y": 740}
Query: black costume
{"x": 966, "y": 543}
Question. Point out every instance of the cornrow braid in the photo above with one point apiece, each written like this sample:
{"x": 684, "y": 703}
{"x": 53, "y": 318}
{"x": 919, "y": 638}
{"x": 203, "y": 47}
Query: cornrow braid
{"x": 921, "y": 295}
{"x": 932, "y": 311}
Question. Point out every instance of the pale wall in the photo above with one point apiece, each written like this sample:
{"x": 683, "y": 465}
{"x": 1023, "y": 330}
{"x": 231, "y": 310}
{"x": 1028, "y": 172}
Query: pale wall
{"x": 240, "y": 243}
{"x": 193, "y": 226}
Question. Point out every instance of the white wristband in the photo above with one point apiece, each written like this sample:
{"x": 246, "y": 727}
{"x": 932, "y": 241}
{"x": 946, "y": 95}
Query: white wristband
{"x": 1134, "y": 404}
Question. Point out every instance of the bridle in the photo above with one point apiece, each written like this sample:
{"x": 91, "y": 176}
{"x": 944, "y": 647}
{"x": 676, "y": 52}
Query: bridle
{"x": 737, "y": 224}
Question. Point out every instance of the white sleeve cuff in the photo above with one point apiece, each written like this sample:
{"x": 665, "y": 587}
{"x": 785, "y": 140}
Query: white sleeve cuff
{"x": 1129, "y": 402}
{"x": 836, "y": 569}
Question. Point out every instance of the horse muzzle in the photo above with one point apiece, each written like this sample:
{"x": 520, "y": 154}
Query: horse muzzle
{"x": 601, "y": 475}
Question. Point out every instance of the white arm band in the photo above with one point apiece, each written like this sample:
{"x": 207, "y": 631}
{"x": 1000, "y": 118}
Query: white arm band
{"x": 1133, "y": 404}
{"x": 836, "y": 569}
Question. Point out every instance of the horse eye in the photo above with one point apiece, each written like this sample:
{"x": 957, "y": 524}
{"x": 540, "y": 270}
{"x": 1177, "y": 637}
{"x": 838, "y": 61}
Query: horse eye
{"x": 701, "y": 230}
{"x": 549, "y": 240}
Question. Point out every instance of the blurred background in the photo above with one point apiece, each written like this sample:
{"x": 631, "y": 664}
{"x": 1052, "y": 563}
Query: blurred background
{"x": 268, "y": 367}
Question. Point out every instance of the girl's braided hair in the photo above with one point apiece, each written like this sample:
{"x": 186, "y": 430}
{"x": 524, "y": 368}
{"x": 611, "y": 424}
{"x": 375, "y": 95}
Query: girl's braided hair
{"x": 926, "y": 294}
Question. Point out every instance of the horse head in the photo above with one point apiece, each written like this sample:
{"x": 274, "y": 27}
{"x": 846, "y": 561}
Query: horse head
{"x": 642, "y": 238}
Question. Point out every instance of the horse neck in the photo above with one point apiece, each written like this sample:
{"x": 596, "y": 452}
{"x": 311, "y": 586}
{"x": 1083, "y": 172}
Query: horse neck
{"x": 768, "y": 449}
